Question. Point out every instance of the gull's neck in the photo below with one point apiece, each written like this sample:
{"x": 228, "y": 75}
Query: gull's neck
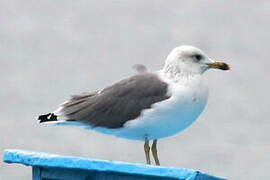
{"x": 175, "y": 74}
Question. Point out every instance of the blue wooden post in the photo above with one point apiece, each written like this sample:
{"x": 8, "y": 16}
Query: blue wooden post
{"x": 49, "y": 166}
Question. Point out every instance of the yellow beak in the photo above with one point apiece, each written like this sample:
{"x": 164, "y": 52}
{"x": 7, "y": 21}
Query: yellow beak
{"x": 219, "y": 65}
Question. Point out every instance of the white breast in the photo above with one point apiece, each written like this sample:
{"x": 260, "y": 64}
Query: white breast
{"x": 187, "y": 101}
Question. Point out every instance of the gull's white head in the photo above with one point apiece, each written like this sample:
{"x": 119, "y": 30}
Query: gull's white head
{"x": 188, "y": 59}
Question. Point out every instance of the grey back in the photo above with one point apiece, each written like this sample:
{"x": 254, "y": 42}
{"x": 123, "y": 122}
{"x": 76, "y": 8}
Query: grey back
{"x": 115, "y": 105}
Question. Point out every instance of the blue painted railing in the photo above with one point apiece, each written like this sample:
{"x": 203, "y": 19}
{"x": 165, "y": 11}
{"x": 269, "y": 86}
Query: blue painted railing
{"x": 49, "y": 166}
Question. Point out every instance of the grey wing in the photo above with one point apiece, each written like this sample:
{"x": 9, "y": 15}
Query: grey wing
{"x": 139, "y": 68}
{"x": 115, "y": 105}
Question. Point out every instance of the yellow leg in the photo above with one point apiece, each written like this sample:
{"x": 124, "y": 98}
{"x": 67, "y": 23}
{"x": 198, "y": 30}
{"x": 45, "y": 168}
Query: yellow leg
{"x": 154, "y": 152}
{"x": 147, "y": 151}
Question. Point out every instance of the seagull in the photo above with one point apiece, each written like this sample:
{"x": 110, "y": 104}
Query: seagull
{"x": 147, "y": 106}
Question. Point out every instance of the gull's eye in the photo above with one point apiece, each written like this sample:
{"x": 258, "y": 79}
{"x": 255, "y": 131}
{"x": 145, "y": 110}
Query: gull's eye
{"x": 198, "y": 57}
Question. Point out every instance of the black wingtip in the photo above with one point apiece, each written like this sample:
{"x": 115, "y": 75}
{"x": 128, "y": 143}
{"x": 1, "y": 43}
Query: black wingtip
{"x": 47, "y": 117}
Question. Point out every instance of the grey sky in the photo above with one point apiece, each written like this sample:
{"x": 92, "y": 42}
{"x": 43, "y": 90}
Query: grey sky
{"x": 47, "y": 46}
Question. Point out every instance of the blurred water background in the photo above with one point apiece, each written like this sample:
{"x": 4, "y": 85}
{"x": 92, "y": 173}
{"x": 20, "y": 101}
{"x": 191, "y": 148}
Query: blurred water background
{"x": 52, "y": 49}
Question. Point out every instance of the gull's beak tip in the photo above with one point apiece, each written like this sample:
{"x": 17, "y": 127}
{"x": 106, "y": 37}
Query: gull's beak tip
{"x": 224, "y": 66}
